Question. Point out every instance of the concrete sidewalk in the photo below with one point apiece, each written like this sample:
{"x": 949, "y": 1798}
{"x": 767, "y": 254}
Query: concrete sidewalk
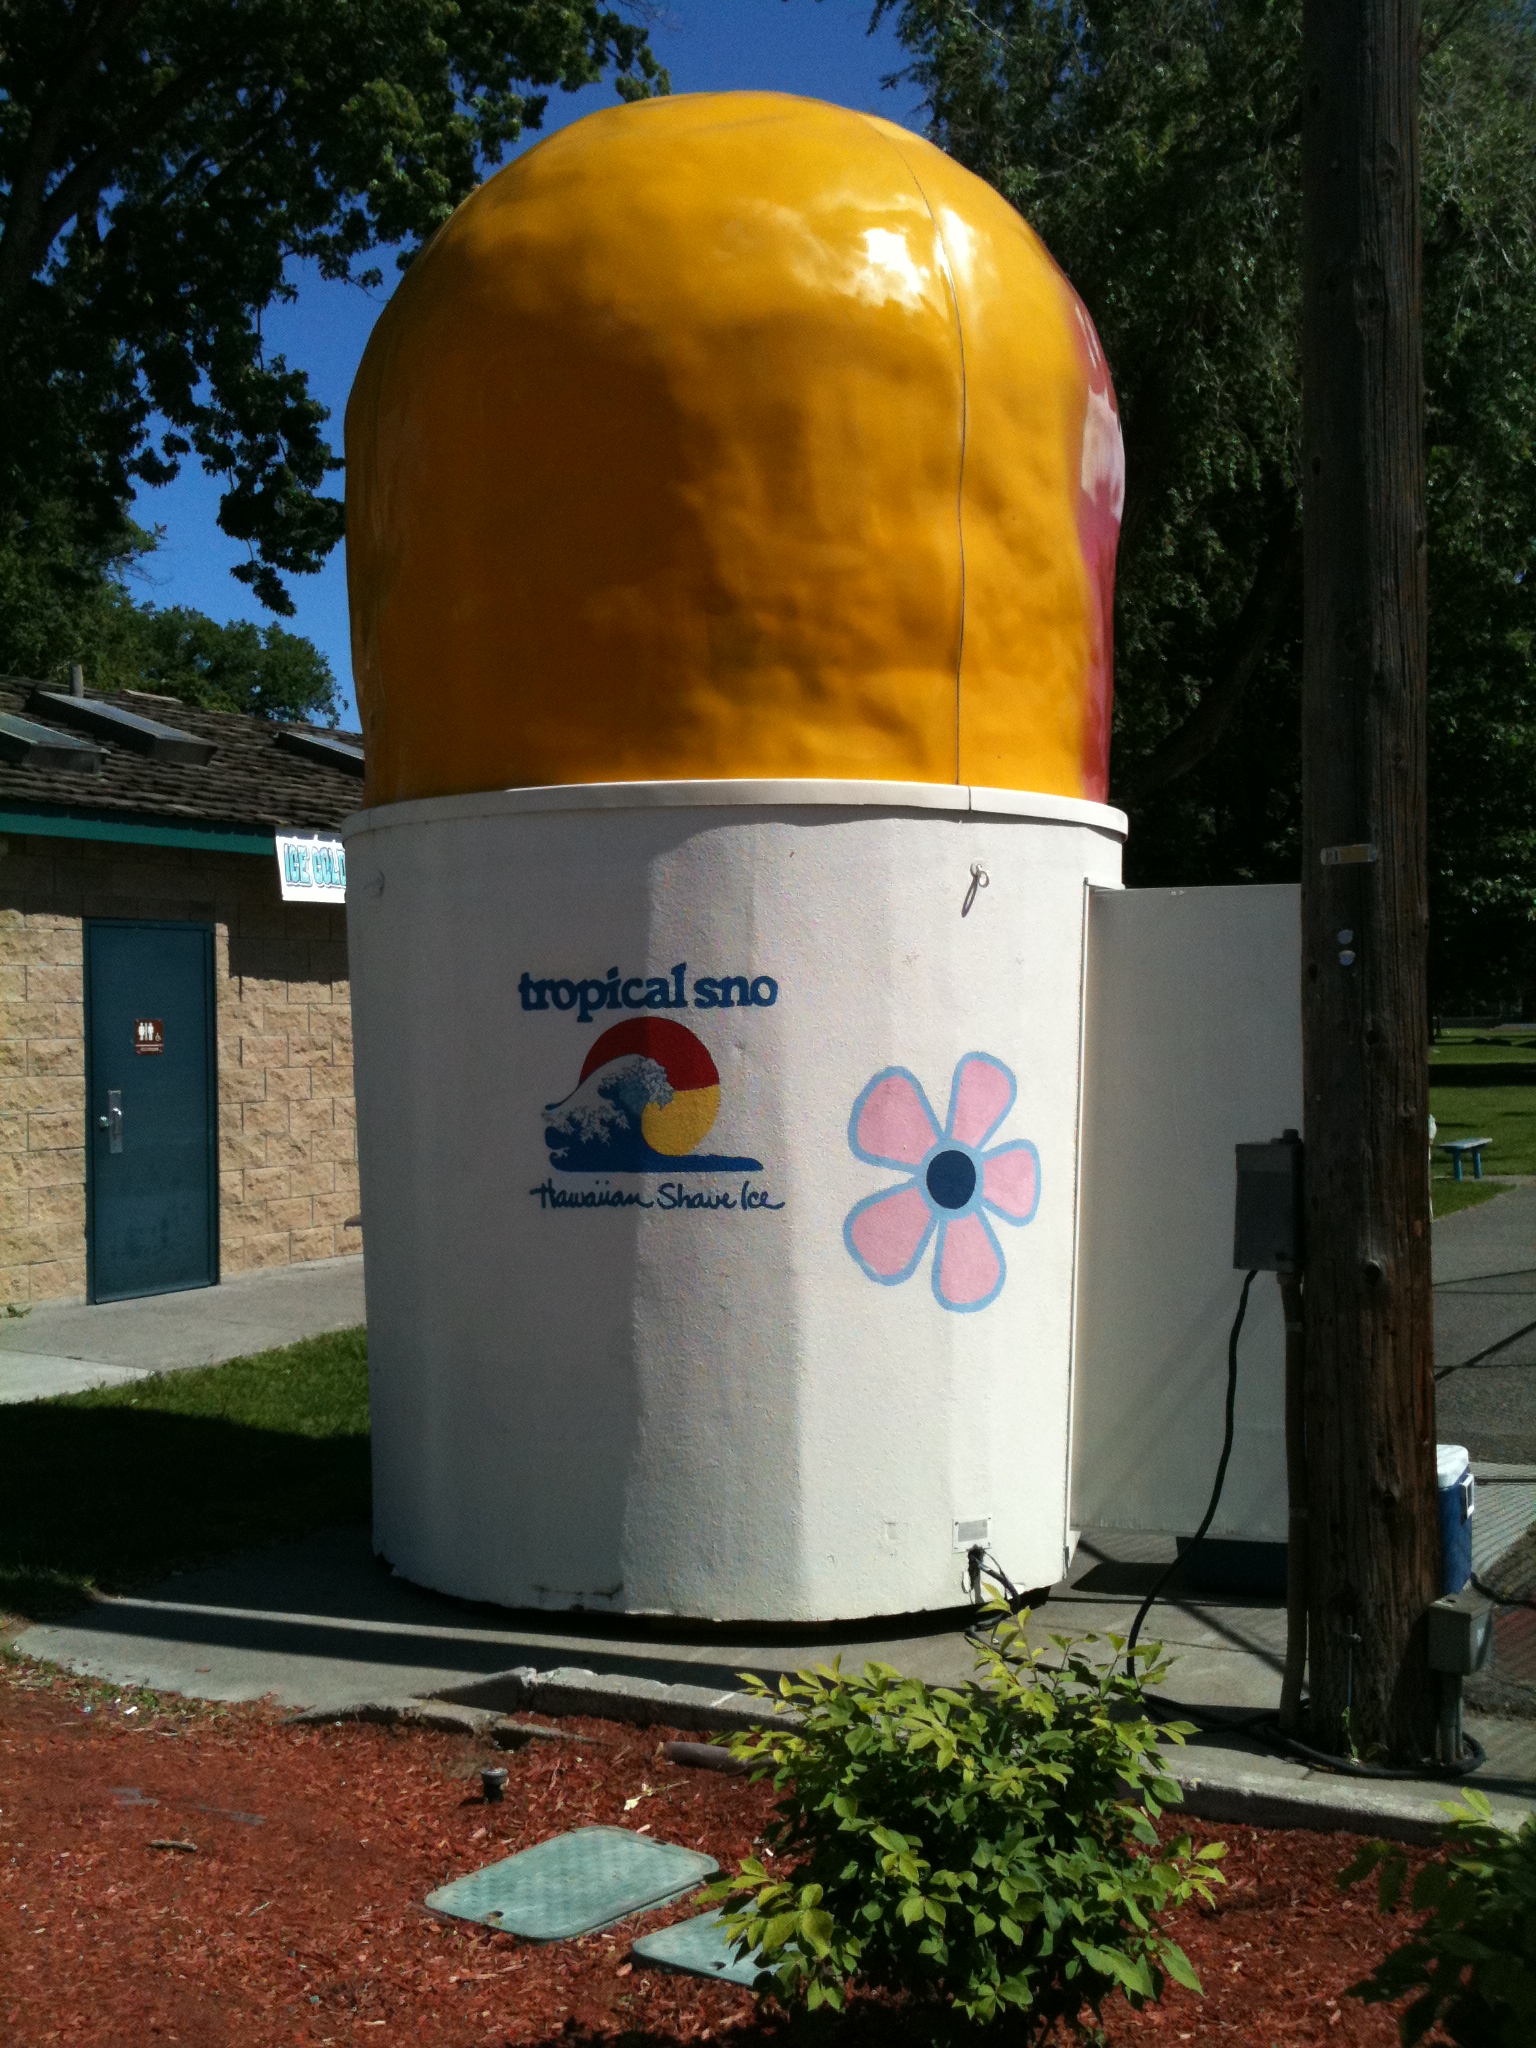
{"x": 60, "y": 1348}
{"x": 323, "y": 1625}
{"x": 1485, "y": 1328}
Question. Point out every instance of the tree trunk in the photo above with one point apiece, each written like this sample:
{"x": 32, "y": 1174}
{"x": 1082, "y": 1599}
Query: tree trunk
{"x": 1374, "y": 1563}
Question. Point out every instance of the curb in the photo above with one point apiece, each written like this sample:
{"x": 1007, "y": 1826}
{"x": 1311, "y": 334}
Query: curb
{"x": 1237, "y": 1794}
{"x": 444, "y": 1720}
{"x": 1219, "y": 1784}
{"x": 480, "y": 1722}
{"x": 1247, "y": 1799}
{"x": 606, "y": 1696}
{"x": 1237, "y": 1790}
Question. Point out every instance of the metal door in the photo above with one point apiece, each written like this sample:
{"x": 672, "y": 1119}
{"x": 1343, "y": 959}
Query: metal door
{"x": 151, "y": 1139}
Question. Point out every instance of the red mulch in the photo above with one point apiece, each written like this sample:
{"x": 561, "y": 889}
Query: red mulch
{"x": 298, "y": 1919}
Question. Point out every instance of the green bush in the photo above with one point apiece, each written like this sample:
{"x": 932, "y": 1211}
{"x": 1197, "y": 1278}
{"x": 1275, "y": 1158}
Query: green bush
{"x": 1473, "y": 1961}
{"x": 988, "y": 1849}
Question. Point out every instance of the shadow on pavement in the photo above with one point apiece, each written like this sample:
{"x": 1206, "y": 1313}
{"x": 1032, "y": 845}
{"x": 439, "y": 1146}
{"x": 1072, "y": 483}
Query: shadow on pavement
{"x": 298, "y": 1635}
{"x": 111, "y": 1497}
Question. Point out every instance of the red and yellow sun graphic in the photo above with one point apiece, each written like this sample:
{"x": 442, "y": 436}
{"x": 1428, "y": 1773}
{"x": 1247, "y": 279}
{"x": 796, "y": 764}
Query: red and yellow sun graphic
{"x": 673, "y": 1128}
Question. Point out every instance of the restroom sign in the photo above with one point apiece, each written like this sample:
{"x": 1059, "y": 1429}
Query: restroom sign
{"x": 311, "y": 867}
{"x": 148, "y": 1034}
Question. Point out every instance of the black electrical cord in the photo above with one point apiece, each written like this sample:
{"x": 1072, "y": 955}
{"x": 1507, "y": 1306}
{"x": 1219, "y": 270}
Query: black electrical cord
{"x": 978, "y": 1557}
{"x": 1221, "y": 1476}
{"x": 1351, "y": 1767}
{"x": 1261, "y": 1726}
{"x": 977, "y": 1560}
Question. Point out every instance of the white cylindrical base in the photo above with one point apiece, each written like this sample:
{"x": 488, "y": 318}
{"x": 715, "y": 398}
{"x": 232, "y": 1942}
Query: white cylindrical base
{"x": 638, "y": 1347}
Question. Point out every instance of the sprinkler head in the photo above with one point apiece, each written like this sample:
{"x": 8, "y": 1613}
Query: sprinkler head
{"x": 493, "y": 1783}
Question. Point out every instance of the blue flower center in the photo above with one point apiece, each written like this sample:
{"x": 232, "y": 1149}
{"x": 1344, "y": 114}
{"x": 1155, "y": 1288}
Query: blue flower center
{"x": 951, "y": 1179}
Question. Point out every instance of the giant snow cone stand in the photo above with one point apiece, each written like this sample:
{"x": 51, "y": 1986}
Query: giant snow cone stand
{"x": 790, "y": 1159}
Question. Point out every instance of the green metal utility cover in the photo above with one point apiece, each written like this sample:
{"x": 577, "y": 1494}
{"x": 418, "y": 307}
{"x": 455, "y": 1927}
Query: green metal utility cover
{"x": 574, "y": 1884}
{"x": 699, "y": 1947}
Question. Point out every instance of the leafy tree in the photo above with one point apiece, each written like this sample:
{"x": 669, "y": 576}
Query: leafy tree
{"x": 1155, "y": 144}
{"x": 60, "y": 603}
{"x": 265, "y": 670}
{"x": 1480, "y": 348}
{"x": 61, "y": 597}
{"x": 163, "y": 162}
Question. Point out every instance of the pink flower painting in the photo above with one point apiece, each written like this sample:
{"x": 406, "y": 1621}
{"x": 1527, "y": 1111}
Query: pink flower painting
{"x": 954, "y": 1182}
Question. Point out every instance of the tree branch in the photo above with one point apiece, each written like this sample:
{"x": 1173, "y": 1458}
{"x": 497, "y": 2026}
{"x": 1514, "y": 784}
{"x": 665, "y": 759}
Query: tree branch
{"x": 1275, "y": 578}
{"x": 30, "y": 184}
{"x": 1147, "y": 429}
{"x": 1428, "y": 45}
{"x": 85, "y": 183}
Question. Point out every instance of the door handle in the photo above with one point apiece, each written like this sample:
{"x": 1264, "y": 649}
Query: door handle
{"x": 112, "y": 1122}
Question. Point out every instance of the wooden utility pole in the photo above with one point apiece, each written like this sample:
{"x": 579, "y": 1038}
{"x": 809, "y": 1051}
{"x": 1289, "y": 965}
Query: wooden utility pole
{"x": 1374, "y": 1542}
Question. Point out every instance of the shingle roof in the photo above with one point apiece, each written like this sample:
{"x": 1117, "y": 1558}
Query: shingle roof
{"x": 250, "y": 780}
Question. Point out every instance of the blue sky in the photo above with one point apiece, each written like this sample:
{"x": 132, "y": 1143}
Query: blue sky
{"x": 817, "y": 47}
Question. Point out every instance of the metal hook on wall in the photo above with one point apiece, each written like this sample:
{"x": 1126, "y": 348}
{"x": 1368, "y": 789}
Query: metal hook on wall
{"x": 980, "y": 879}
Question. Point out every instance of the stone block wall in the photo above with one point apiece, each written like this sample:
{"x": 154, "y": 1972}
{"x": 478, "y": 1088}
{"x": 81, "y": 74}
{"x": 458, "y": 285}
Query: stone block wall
{"x": 287, "y": 1126}
{"x": 42, "y": 1105}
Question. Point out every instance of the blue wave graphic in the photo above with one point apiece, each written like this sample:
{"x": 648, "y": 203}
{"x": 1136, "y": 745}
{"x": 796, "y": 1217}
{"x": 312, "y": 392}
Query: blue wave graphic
{"x": 598, "y": 1129}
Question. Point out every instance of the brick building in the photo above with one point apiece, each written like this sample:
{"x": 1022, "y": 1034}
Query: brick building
{"x": 175, "y": 1038}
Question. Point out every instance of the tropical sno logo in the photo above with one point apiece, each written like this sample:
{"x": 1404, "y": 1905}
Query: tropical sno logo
{"x": 954, "y": 1181}
{"x": 644, "y": 1102}
{"x": 670, "y": 991}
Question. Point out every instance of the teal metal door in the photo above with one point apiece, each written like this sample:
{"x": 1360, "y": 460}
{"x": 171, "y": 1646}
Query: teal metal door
{"x": 151, "y": 1140}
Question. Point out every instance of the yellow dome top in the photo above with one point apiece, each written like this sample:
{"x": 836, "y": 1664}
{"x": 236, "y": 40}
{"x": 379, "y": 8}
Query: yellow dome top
{"x": 733, "y": 435}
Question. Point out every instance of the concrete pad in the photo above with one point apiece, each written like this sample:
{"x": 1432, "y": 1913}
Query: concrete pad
{"x": 200, "y": 1326}
{"x": 28, "y": 1376}
{"x": 322, "y": 1625}
{"x": 1504, "y": 1509}
{"x": 1497, "y": 1236}
{"x": 1489, "y": 1408}
{"x": 1485, "y": 1327}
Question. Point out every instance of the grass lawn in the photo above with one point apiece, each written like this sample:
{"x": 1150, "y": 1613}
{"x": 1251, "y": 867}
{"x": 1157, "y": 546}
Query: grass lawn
{"x": 1463, "y": 1047}
{"x": 1451, "y": 1195}
{"x": 1506, "y": 1115}
{"x": 108, "y": 1489}
{"x": 1468, "y": 1048}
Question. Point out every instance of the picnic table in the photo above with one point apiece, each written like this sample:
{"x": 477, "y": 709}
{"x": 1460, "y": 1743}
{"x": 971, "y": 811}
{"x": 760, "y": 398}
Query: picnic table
{"x": 1460, "y": 1148}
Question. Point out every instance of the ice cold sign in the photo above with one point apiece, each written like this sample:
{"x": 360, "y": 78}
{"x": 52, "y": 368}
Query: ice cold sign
{"x": 311, "y": 868}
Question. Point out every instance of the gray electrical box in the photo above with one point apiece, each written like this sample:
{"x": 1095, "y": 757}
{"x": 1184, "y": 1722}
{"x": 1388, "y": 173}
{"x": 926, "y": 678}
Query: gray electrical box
{"x": 1268, "y": 1233}
{"x": 1460, "y": 1630}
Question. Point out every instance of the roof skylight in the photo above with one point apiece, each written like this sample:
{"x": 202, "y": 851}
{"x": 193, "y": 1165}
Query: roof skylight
{"x": 124, "y": 728}
{"x": 38, "y": 746}
{"x": 318, "y": 746}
